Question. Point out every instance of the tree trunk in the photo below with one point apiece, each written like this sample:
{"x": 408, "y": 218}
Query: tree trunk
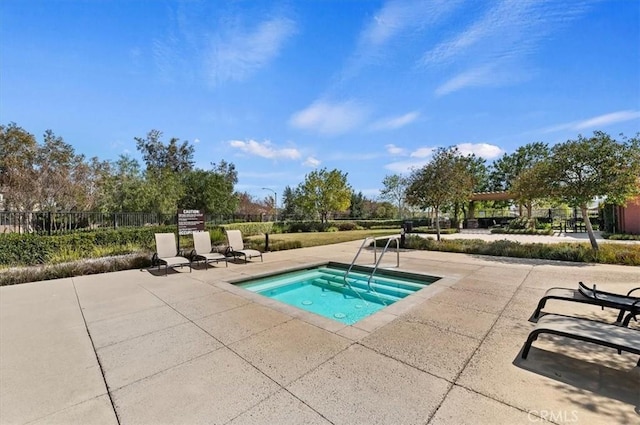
{"x": 438, "y": 224}
{"x": 587, "y": 223}
{"x": 529, "y": 208}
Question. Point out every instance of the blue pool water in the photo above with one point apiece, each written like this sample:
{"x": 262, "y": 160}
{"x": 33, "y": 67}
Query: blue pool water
{"x": 322, "y": 290}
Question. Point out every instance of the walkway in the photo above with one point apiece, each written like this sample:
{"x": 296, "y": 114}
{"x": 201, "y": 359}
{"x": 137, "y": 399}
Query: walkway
{"x": 136, "y": 348}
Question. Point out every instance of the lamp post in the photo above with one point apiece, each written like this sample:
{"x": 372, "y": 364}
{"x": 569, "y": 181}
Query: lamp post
{"x": 275, "y": 201}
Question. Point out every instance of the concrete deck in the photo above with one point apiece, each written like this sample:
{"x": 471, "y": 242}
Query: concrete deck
{"x": 136, "y": 347}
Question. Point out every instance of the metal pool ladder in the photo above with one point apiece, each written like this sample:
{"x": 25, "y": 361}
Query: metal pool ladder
{"x": 375, "y": 254}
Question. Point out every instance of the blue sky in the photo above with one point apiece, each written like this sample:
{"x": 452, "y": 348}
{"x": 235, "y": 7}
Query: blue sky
{"x": 280, "y": 88}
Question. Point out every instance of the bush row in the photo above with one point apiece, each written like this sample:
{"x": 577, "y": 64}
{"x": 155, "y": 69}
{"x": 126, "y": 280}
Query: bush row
{"x": 628, "y": 255}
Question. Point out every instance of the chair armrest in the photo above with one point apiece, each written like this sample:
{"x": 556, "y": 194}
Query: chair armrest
{"x": 154, "y": 259}
{"x": 634, "y": 289}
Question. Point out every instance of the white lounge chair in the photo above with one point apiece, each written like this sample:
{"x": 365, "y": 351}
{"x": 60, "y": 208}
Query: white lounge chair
{"x": 236, "y": 246}
{"x": 167, "y": 252}
{"x": 204, "y": 252}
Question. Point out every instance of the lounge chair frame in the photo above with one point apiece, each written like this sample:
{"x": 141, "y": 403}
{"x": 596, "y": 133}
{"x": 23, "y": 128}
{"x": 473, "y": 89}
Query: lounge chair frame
{"x": 204, "y": 252}
{"x": 605, "y": 334}
{"x": 236, "y": 246}
{"x": 626, "y": 304}
{"x": 167, "y": 253}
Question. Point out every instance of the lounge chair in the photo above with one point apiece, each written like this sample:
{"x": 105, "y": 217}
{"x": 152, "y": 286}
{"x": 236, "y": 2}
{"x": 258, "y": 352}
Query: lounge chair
{"x": 627, "y": 304}
{"x": 167, "y": 252}
{"x": 605, "y": 334}
{"x": 236, "y": 246}
{"x": 204, "y": 252}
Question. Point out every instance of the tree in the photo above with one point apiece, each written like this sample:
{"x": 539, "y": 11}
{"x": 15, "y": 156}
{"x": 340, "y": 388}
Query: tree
{"x": 356, "y": 207}
{"x": 291, "y": 208}
{"x": 445, "y": 180}
{"x": 176, "y": 156}
{"x": 324, "y": 192}
{"x": 578, "y": 171}
{"x": 506, "y": 170}
{"x": 394, "y": 190}
{"x": 18, "y": 152}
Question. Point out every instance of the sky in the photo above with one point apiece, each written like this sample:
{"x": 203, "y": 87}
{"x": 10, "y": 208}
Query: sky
{"x": 281, "y": 88}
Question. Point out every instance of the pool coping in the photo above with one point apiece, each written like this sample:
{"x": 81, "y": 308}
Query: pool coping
{"x": 356, "y": 331}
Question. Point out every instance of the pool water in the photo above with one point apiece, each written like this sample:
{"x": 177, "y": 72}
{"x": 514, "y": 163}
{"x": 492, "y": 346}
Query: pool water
{"x": 321, "y": 290}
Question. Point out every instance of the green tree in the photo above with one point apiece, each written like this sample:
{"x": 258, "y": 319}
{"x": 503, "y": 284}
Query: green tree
{"x": 445, "y": 180}
{"x": 123, "y": 187}
{"x": 18, "y": 152}
{"x": 208, "y": 191}
{"x": 324, "y": 192}
{"x": 578, "y": 171}
{"x": 394, "y": 191}
{"x": 506, "y": 170}
{"x": 175, "y": 156}
{"x": 291, "y": 208}
{"x": 356, "y": 207}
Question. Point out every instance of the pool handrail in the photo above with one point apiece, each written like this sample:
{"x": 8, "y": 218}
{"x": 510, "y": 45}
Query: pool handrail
{"x": 391, "y": 238}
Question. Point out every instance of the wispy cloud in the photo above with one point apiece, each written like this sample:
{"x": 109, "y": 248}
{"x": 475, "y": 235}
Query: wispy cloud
{"x": 508, "y": 32}
{"x": 596, "y": 122}
{"x": 225, "y": 48}
{"x": 394, "y": 23}
{"x": 264, "y": 149}
{"x": 330, "y": 118}
{"x": 393, "y": 123}
{"x": 311, "y": 162}
{"x": 483, "y": 150}
{"x": 395, "y": 150}
{"x": 238, "y": 53}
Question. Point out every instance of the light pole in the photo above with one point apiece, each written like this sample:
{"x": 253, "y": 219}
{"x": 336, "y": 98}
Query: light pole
{"x": 275, "y": 202}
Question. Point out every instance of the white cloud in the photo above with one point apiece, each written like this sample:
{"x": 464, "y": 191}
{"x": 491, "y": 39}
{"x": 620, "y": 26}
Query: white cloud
{"x": 311, "y": 162}
{"x": 240, "y": 52}
{"x": 196, "y": 141}
{"x": 405, "y": 167}
{"x": 264, "y": 149}
{"x": 596, "y": 122}
{"x": 422, "y": 152}
{"x": 483, "y": 150}
{"x": 393, "y": 123}
{"x": 395, "y": 150}
{"x": 330, "y": 118}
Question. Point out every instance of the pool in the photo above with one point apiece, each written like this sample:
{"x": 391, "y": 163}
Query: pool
{"x": 322, "y": 290}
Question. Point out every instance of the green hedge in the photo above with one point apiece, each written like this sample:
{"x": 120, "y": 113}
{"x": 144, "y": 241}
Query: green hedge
{"x": 625, "y": 254}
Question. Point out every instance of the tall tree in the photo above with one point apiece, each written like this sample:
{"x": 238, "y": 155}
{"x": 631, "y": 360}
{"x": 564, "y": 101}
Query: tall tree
{"x": 356, "y": 209}
{"x": 175, "y": 156}
{"x": 324, "y": 192}
{"x": 394, "y": 191}
{"x": 578, "y": 171}
{"x": 18, "y": 153}
{"x": 291, "y": 208}
{"x": 445, "y": 180}
{"x": 506, "y": 170}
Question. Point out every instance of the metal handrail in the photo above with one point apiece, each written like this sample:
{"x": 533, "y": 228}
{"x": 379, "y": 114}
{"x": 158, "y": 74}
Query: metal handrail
{"x": 375, "y": 268}
{"x": 355, "y": 258}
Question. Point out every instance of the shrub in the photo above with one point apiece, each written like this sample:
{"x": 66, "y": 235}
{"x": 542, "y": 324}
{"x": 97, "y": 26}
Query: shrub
{"x": 250, "y": 229}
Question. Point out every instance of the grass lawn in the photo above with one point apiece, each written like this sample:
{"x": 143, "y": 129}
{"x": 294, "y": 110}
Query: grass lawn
{"x": 326, "y": 238}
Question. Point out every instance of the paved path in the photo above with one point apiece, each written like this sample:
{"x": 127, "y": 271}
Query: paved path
{"x": 135, "y": 347}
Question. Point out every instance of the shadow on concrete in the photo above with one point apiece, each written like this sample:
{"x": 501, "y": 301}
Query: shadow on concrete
{"x": 576, "y": 379}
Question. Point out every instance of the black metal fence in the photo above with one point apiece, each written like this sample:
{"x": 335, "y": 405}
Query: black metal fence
{"x": 45, "y": 222}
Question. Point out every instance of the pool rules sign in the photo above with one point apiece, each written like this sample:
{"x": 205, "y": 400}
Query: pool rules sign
{"x": 190, "y": 221}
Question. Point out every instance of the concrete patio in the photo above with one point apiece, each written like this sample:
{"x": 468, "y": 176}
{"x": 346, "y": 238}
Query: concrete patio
{"x": 136, "y": 347}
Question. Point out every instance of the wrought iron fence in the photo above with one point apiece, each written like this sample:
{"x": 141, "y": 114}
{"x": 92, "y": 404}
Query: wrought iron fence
{"x": 45, "y": 222}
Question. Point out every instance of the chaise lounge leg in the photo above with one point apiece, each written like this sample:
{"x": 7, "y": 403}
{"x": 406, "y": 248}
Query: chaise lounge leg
{"x": 541, "y": 305}
{"x": 527, "y": 345}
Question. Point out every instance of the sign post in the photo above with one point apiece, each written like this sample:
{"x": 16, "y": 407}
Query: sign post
{"x": 189, "y": 221}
